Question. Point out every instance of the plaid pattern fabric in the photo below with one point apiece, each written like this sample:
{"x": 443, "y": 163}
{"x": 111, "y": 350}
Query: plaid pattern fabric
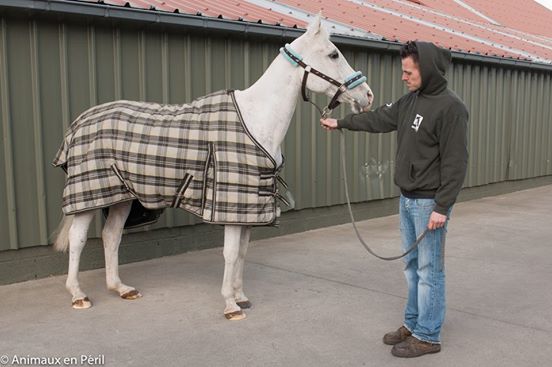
{"x": 199, "y": 157}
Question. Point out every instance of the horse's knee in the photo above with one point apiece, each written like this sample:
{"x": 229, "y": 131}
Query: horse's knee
{"x": 230, "y": 256}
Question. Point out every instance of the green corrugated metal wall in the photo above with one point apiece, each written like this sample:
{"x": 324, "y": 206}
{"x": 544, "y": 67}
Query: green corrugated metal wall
{"x": 50, "y": 72}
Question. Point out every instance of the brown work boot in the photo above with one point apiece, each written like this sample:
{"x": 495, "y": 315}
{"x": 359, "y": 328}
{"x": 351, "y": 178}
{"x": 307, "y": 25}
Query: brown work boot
{"x": 395, "y": 337}
{"x": 413, "y": 347}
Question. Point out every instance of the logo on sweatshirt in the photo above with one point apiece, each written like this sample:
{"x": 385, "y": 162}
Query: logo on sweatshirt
{"x": 417, "y": 122}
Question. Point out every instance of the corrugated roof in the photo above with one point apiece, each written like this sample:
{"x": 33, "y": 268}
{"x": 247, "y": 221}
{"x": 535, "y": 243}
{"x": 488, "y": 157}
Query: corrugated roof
{"x": 523, "y": 15}
{"x": 234, "y": 10}
{"x": 518, "y": 29}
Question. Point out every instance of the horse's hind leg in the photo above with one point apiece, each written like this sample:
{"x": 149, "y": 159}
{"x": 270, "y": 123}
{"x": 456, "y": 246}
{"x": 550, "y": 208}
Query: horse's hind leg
{"x": 232, "y": 235}
{"x": 77, "y": 239}
{"x": 111, "y": 235}
{"x": 240, "y": 297}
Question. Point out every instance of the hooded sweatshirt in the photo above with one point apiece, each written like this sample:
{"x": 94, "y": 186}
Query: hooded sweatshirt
{"x": 431, "y": 125}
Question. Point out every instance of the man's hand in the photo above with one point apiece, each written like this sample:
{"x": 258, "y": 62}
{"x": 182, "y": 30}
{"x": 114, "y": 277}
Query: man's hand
{"x": 328, "y": 124}
{"x": 436, "y": 220}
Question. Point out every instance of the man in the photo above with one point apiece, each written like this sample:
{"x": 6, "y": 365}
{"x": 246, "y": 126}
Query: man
{"x": 431, "y": 160}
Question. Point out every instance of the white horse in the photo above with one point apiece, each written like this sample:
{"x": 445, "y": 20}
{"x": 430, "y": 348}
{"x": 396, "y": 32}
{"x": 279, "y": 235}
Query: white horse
{"x": 267, "y": 108}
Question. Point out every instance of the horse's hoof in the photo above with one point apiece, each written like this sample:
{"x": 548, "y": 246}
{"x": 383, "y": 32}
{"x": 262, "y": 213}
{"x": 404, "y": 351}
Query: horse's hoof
{"x": 244, "y": 304}
{"x": 235, "y": 316}
{"x": 81, "y": 304}
{"x": 130, "y": 295}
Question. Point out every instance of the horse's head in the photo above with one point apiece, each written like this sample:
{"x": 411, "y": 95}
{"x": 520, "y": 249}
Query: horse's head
{"x": 319, "y": 53}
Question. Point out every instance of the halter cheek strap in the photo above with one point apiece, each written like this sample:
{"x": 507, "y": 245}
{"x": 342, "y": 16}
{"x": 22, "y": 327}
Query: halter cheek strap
{"x": 352, "y": 81}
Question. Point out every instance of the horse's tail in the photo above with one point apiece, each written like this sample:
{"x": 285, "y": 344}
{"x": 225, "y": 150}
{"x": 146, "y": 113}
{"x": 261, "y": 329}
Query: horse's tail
{"x": 61, "y": 243}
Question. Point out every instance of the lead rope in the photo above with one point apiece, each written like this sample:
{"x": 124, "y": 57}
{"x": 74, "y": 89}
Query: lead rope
{"x": 410, "y": 249}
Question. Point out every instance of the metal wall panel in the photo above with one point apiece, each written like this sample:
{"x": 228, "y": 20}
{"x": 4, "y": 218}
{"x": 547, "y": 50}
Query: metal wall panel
{"x": 51, "y": 72}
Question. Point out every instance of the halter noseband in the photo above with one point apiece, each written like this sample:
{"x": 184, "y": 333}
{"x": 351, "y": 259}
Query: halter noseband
{"x": 352, "y": 81}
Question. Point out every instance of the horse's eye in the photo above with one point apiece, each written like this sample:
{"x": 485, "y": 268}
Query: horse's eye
{"x": 334, "y": 55}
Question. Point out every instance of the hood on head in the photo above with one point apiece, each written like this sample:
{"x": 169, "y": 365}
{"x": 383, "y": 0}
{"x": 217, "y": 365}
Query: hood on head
{"x": 434, "y": 63}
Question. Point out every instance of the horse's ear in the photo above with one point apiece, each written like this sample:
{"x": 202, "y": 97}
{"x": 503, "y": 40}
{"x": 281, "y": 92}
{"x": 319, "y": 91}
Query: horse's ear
{"x": 315, "y": 26}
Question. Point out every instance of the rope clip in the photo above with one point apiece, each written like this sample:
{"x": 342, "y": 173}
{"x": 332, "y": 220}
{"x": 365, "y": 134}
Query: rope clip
{"x": 326, "y": 112}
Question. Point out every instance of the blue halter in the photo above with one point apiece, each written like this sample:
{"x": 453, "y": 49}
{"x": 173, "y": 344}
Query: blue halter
{"x": 352, "y": 81}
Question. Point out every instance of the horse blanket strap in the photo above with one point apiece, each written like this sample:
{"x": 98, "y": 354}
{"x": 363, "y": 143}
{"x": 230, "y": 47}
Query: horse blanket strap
{"x": 199, "y": 157}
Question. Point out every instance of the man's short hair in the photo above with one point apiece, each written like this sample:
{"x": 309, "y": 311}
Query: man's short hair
{"x": 410, "y": 49}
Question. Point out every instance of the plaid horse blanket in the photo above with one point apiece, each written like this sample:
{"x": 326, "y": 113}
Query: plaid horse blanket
{"x": 199, "y": 157}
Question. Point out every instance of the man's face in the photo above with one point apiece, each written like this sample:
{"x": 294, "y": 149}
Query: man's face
{"x": 411, "y": 74}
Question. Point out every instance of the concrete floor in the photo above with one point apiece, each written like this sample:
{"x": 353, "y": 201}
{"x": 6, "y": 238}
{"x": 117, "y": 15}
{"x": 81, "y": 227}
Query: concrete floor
{"x": 319, "y": 300}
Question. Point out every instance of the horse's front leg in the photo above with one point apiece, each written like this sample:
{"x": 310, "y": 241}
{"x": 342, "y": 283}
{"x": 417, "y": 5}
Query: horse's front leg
{"x": 232, "y": 236}
{"x": 111, "y": 235}
{"x": 239, "y": 295}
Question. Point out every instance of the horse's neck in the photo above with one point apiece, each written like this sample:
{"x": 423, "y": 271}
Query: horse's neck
{"x": 267, "y": 106}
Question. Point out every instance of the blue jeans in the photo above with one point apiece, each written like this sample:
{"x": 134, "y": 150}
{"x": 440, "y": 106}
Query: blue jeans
{"x": 424, "y": 271}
